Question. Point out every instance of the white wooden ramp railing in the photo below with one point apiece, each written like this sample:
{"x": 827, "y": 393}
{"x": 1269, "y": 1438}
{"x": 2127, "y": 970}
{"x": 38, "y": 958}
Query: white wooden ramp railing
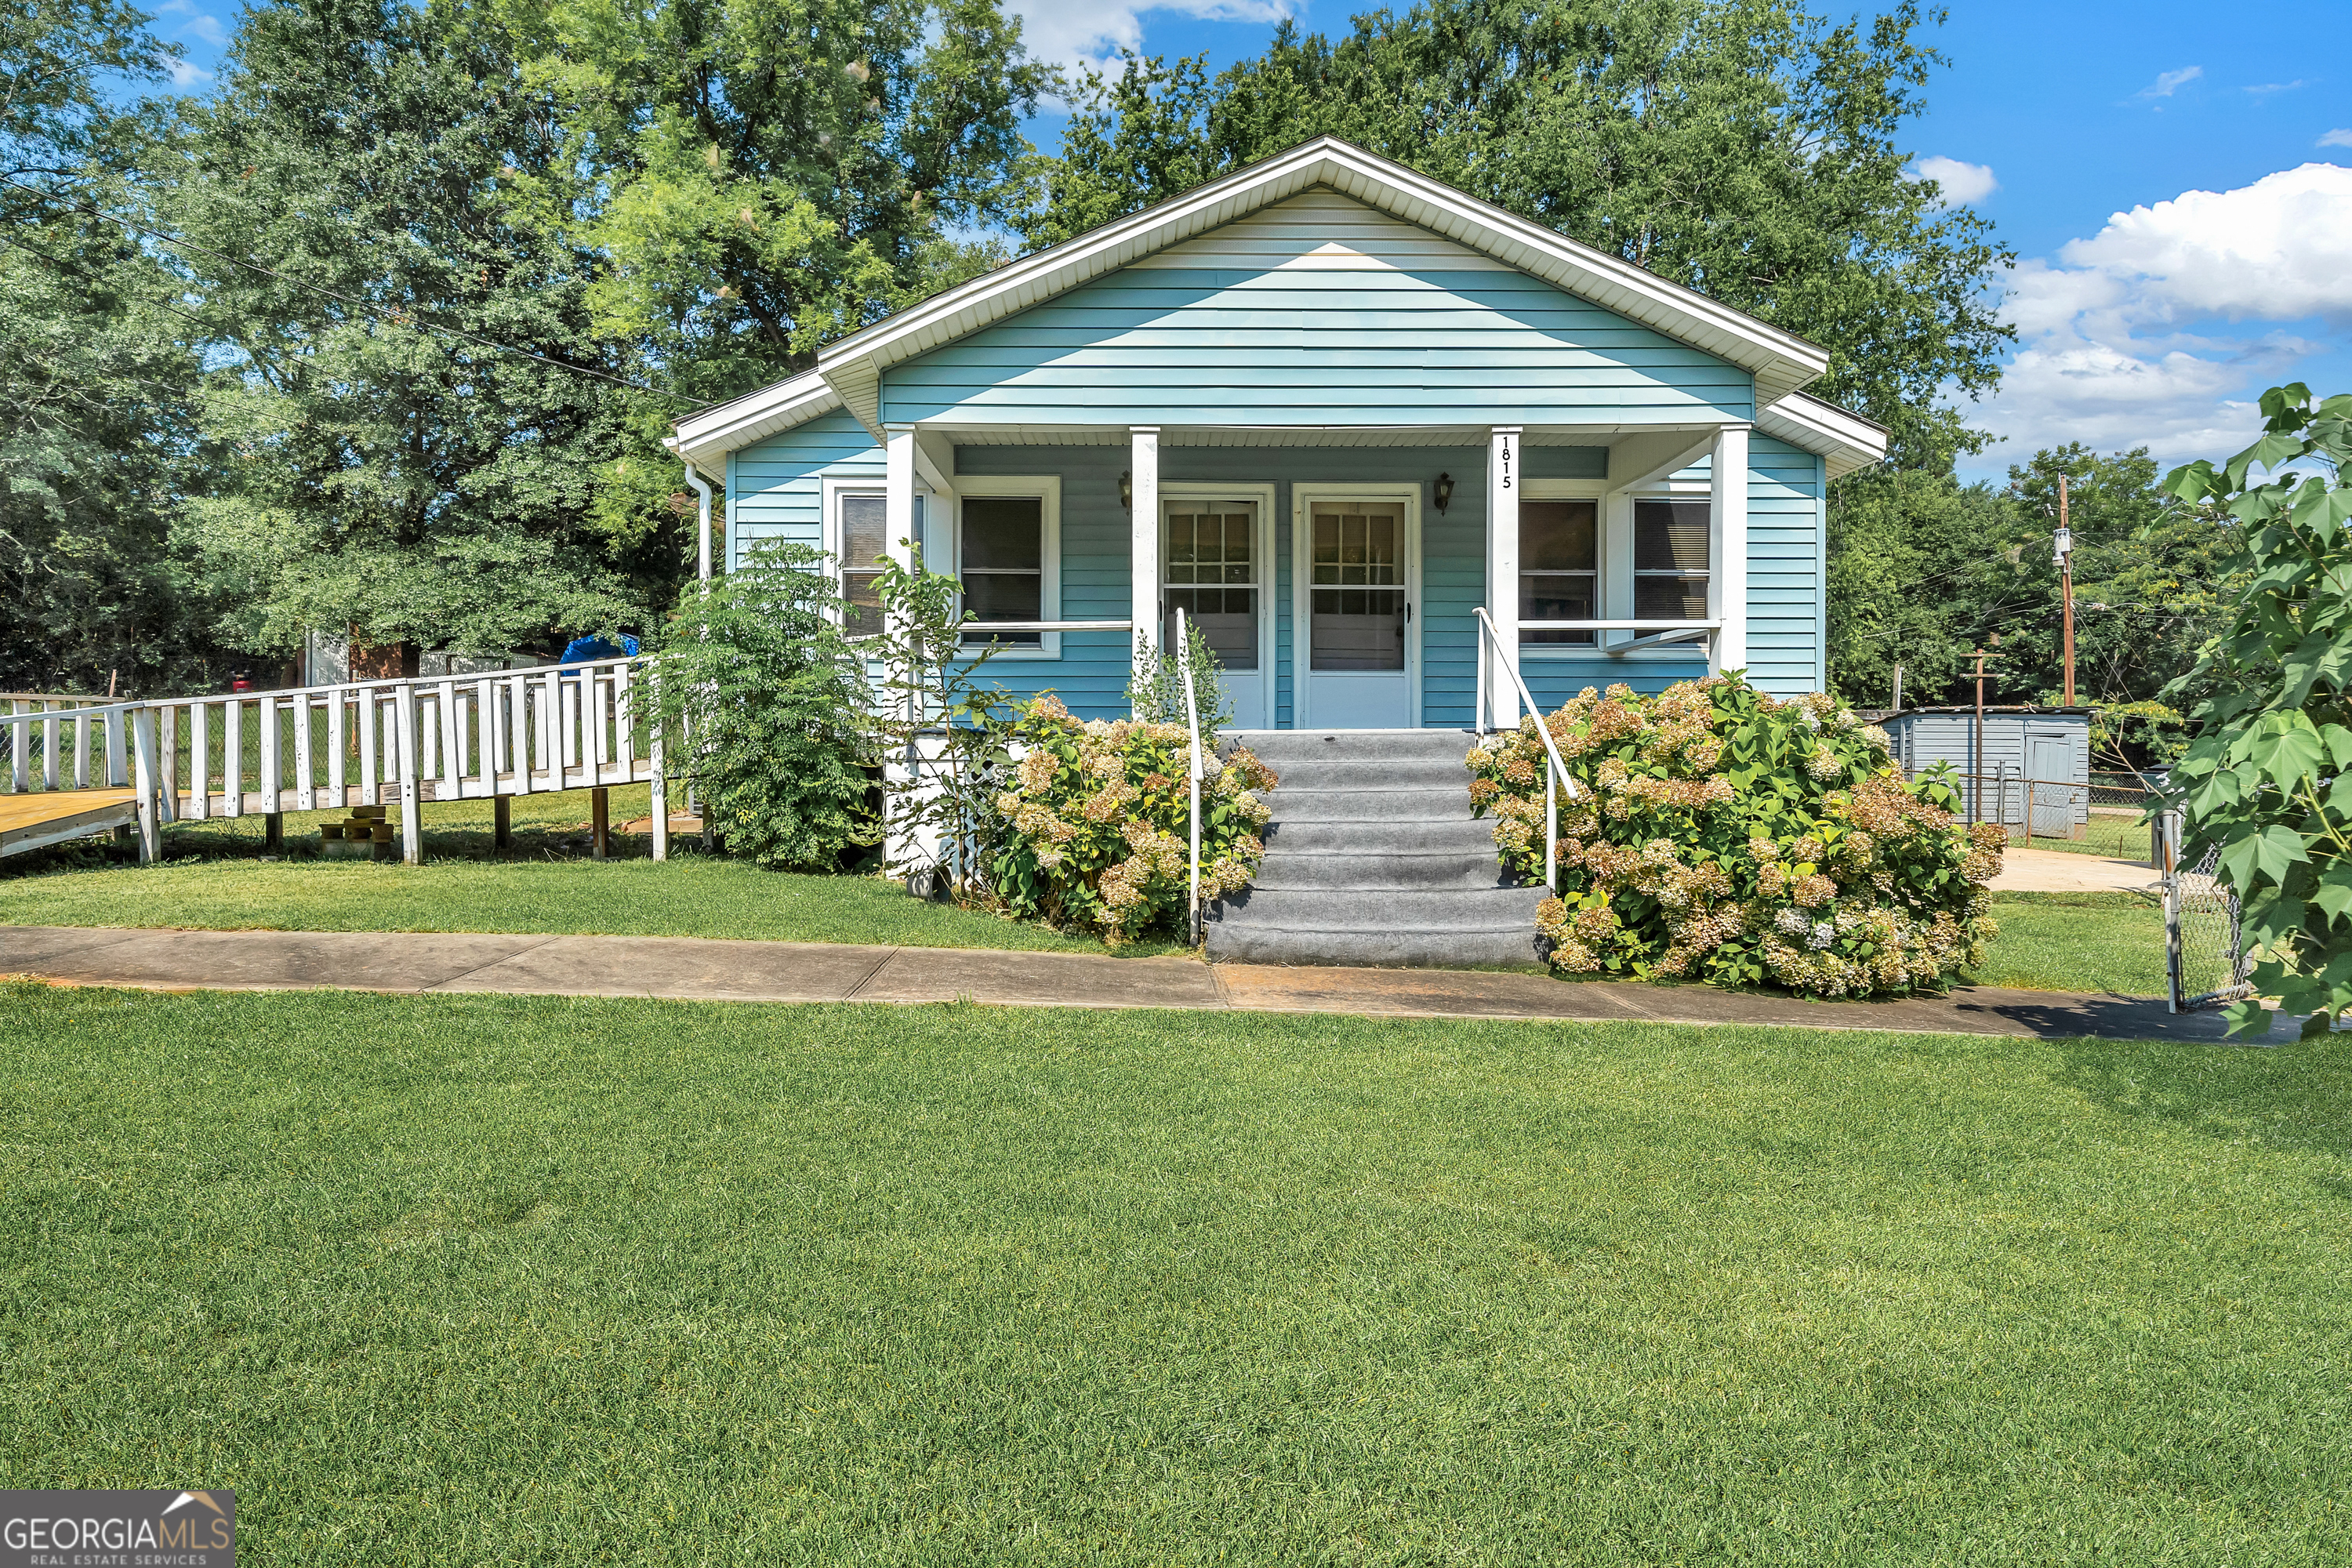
{"x": 369, "y": 743}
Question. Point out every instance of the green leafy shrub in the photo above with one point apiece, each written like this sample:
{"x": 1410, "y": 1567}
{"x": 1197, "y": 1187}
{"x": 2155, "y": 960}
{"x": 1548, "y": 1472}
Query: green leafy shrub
{"x": 1724, "y": 835}
{"x": 1094, "y": 819}
{"x": 2269, "y": 776}
{"x": 765, "y": 706}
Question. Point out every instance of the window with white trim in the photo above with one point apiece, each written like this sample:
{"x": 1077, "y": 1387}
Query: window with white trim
{"x": 1671, "y": 562}
{"x": 862, "y": 530}
{"x": 1001, "y": 562}
{"x": 1559, "y": 567}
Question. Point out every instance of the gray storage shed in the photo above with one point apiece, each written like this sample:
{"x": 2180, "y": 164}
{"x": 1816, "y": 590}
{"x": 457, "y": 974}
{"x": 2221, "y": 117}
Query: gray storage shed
{"x": 2047, "y": 749}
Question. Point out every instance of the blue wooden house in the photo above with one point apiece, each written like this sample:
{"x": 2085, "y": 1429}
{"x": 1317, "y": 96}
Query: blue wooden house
{"x": 1328, "y": 406}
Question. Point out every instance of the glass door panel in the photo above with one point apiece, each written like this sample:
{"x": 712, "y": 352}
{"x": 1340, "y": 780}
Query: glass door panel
{"x": 1358, "y": 606}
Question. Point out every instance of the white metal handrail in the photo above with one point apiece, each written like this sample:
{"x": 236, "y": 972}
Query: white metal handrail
{"x": 1194, "y": 771}
{"x": 500, "y": 733}
{"x": 1556, "y": 777}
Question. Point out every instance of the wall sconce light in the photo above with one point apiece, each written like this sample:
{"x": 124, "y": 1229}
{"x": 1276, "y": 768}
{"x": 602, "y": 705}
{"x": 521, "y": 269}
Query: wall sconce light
{"x": 1127, "y": 489}
{"x": 1441, "y": 491}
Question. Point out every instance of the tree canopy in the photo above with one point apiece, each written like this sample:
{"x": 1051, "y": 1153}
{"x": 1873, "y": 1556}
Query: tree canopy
{"x": 1745, "y": 148}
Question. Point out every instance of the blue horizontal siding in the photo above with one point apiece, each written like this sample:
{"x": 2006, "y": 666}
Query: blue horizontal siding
{"x": 1227, "y": 345}
{"x": 1785, "y": 609}
{"x": 775, "y": 488}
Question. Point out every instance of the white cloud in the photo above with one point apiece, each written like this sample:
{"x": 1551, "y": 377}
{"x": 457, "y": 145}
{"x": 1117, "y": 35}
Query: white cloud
{"x": 185, "y": 75}
{"x": 2268, "y": 88}
{"x": 2337, "y": 139}
{"x": 1961, "y": 182}
{"x": 2120, "y": 342}
{"x": 2275, "y": 250}
{"x": 1070, "y": 32}
{"x": 2171, "y": 82}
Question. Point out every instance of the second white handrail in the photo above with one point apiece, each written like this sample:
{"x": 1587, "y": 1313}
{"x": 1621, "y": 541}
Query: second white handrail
{"x": 1556, "y": 777}
{"x": 1194, "y": 771}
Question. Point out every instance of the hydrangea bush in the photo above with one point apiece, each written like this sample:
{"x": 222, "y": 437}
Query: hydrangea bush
{"x": 1725, "y": 835}
{"x": 1094, "y": 829}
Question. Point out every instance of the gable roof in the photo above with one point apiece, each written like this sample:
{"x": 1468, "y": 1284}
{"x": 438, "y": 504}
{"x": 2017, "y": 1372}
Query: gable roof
{"x": 849, "y": 372}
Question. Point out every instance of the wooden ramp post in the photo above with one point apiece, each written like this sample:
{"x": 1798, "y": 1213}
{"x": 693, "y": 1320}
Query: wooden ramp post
{"x": 600, "y": 821}
{"x": 501, "y": 823}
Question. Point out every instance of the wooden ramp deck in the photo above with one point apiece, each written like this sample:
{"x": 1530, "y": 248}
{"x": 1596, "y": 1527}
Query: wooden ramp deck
{"x": 38, "y": 818}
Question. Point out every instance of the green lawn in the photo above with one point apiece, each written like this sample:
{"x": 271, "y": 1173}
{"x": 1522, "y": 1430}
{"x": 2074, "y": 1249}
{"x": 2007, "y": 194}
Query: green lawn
{"x": 492, "y": 1279}
{"x": 2077, "y": 942}
{"x": 216, "y": 880}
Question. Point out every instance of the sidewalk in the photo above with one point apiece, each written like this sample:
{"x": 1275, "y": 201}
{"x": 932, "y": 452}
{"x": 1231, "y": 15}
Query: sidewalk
{"x": 2057, "y": 871}
{"x": 702, "y": 970}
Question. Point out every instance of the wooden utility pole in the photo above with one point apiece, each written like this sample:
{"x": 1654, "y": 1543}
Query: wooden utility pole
{"x": 2066, "y": 584}
{"x": 1976, "y": 750}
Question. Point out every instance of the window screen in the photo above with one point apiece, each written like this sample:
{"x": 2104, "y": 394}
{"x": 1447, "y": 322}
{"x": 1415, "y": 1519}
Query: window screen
{"x": 1560, "y": 560}
{"x": 1358, "y": 590}
{"x": 1670, "y": 560}
{"x": 1212, "y": 569}
{"x": 1002, "y": 563}
{"x": 864, "y": 546}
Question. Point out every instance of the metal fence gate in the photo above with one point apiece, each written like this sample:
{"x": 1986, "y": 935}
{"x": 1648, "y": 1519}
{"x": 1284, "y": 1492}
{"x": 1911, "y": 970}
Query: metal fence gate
{"x": 2206, "y": 959}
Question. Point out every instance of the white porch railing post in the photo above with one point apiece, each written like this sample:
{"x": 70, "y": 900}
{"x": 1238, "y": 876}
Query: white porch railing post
{"x": 200, "y": 761}
{"x": 150, "y": 821}
{"x": 117, "y": 766}
{"x": 306, "y": 784}
{"x": 412, "y": 792}
{"x": 233, "y": 755}
{"x": 1504, "y": 461}
{"x": 660, "y": 792}
{"x": 20, "y": 749}
{"x": 1727, "y": 568}
{"x": 1193, "y": 770}
{"x": 1143, "y": 529}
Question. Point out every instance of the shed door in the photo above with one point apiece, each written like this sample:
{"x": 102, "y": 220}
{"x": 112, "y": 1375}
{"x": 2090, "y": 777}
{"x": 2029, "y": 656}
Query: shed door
{"x": 2049, "y": 769}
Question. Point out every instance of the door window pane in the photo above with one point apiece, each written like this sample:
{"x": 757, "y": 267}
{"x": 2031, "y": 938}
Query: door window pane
{"x": 1357, "y": 592}
{"x": 1002, "y": 564}
{"x": 1211, "y": 576}
{"x": 1670, "y": 567}
{"x": 865, "y": 545}
{"x": 1560, "y": 562}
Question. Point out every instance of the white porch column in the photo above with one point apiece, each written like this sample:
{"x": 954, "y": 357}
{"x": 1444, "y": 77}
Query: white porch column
{"x": 1143, "y": 481}
{"x": 1503, "y": 461}
{"x": 1728, "y": 547}
{"x": 903, "y": 852}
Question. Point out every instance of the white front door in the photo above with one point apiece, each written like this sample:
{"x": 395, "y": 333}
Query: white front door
{"x": 1360, "y": 576}
{"x": 1215, "y": 549}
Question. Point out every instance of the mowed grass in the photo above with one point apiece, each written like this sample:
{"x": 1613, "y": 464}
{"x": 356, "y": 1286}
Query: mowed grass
{"x": 2076, "y": 941}
{"x": 215, "y": 879}
{"x": 493, "y": 1280}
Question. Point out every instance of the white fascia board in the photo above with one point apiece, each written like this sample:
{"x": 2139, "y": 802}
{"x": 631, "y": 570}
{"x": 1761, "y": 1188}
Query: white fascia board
{"x": 1781, "y": 362}
{"x": 705, "y": 436}
{"x": 1846, "y": 441}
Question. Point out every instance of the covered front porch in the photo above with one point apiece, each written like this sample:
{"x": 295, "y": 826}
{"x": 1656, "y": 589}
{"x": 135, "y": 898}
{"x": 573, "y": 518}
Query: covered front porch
{"x": 1338, "y": 572}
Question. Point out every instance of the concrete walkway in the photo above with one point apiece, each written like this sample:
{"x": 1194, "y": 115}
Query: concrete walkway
{"x": 700, "y": 970}
{"x": 2057, "y": 871}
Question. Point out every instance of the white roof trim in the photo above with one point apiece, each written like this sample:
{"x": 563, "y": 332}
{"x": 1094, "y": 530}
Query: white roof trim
{"x": 1846, "y": 440}
{"x": 852, "y": 368}
{"x": 705, "y": 437}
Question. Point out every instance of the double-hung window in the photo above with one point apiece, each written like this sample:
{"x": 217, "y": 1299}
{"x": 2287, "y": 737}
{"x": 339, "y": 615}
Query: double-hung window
{"x": 1001, "y": 558}
{"x": 1559, "y": 567}
{"x": 1671, "y": 563}
{"x": 861, "y": 531}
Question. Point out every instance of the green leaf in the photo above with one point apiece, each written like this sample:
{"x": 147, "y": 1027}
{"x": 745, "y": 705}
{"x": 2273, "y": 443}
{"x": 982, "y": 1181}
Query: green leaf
{"x": 2289, "y": 750}
{"x": 2335, "y": 894}
{"x": 2269, "y": 853}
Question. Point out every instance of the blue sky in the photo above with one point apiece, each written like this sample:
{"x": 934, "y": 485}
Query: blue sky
{"x": 2176, "y": 179}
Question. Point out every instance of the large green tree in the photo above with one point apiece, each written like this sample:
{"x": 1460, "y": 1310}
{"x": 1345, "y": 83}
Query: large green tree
{"x": 1924, "y": 569}
{"x": 1743, "y": 147}
{"x": 770, "y": 178}
{"x": 415, "y": 416}
{"x": 96, "y": 362}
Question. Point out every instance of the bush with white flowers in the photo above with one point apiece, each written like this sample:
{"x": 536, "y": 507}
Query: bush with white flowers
{"x": 1094, "y": 821}
{"x": 1726, "y": 836}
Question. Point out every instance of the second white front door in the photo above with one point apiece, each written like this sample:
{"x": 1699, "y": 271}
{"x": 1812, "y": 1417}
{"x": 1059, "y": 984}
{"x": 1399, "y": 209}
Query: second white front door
{"x": 1216, "y": 549}
{"x": 1360, "y": 578}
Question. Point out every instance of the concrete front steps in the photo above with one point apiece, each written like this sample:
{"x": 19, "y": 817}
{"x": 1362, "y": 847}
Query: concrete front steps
{"x": 1373, "y": 857}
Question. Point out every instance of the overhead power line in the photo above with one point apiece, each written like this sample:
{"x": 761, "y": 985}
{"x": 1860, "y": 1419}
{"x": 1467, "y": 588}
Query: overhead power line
{"x": 387, "y": 314}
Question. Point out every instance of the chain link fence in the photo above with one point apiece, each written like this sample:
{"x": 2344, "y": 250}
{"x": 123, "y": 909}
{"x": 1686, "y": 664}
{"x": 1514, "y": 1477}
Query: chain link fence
{"x": 2204, "y": 945}
{"x": 2105, "y": 817}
